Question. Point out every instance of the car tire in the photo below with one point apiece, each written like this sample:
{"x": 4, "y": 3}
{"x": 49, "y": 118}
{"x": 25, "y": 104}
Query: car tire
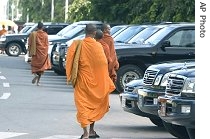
{"x": 13, "y": 49}
{"x": 126, "y": 74}
{"x": 176, "y": 130}
{"x": 157, "y": 121}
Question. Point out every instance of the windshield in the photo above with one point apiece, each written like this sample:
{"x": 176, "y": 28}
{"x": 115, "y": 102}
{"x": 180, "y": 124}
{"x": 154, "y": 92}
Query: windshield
{"x": 155, "y": 38}
{"x": 78, "y": 30}
{"x": 34, "y": 27}
{"x": 143, "y": 35}
{"x": 115, "y": 29}
{"x": 66, "y": 29}
{"x": 25, "y": 29}
{"x": 128, "y": 33}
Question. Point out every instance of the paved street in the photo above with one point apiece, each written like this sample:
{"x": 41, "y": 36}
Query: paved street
{"x": 28, "y": 111}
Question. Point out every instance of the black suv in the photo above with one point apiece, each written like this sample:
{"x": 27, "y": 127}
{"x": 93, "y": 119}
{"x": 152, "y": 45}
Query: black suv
{"x": 14, "y": 44}
{"x": 177, "y": 106}
{"x": 174, "y": 42}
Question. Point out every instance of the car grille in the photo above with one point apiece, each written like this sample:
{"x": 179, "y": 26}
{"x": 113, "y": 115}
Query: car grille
{"x": 175, "y": 84}
{"x": 149, "y": 77}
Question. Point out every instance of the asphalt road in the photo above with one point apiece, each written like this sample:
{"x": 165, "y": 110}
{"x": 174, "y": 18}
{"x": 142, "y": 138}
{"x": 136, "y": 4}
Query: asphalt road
{"x": 28, "y": 111}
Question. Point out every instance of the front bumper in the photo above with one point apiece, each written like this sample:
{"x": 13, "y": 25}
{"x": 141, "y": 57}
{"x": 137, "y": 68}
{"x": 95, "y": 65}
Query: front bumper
{"x": 129, "y": 104}
{"x": 177, "y": 110}
{"x": 147, "y": 101}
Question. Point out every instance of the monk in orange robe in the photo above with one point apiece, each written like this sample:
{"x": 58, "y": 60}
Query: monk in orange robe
{"x": 3, "y": 31}
{"x": 114, "y": 65}
{"x": 98, "y": 37}
{"x": 93, "y": 84}
{"x": 38, "y": 49}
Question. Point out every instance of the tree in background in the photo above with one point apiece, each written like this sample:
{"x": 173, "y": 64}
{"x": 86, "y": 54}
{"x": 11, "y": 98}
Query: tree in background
{"x": 112, "y": 11}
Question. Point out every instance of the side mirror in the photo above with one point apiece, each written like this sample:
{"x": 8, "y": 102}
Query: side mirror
{"x": 165, "y": 44}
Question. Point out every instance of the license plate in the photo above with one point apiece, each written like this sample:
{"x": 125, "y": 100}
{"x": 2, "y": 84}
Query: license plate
{"x": 163, "y": 109}
{"x": 155, "y": 101}
{"x": 123, "y": 102}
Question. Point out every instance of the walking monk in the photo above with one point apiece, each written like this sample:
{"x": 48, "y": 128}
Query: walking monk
{"x": 93, "y": 84}
{"x": 38, "y": 49}
{"x": 114, "y": 65}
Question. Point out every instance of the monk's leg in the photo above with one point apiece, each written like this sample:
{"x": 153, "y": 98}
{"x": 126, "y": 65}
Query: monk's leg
{"x": 92, "y": 133}
{"x": 85, "y": 134}
{"x": 39, "y": 76}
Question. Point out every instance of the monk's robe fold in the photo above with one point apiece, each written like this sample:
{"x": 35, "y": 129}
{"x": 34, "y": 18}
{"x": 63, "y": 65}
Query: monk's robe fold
{"x": 40, "y": 61}
{"x": 93, "y": 86}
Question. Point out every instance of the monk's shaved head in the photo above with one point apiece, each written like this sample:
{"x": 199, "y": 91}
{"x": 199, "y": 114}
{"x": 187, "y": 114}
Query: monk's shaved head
{"x": 90, "y": 29}
{"x": 99, "y": 34}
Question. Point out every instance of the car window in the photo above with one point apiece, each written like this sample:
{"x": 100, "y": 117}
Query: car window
{"x": 183, "y": 38}
{"x": 25, "y": 29}
{"x": 77, "y": 30}
{"x": 155, "y": 38}
{"x": 66, "y": 29}
{"x": 115, "y": 29}
{"x": 51, "y": 30}
{"x": 144, "y": 34}
{"x": 128, "y": 33}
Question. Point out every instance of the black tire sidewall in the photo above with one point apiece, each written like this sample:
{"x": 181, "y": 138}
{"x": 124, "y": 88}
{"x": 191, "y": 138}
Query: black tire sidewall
{"x": 121, "y": 72}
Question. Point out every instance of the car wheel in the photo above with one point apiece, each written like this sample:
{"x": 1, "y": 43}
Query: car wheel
{"x": 176, "y": 130}
{"x": 127, "y": 73}
{"x": 157, "y": 121}
{"x": 13, "y": 49}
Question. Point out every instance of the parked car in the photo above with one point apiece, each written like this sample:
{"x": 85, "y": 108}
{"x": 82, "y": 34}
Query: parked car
{"x": 173, "y": 42}
{"x": 152, "y": 85}
{"x": 15, "y": 44}
{"x": 129, "y": 100}
{"x": 177, "y": 106}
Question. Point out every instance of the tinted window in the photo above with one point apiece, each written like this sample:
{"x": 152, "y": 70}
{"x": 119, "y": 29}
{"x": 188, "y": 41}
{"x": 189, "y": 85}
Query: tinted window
{"x": 128, "y": 33}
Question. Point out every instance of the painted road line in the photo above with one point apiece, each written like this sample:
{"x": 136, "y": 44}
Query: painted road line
{"x": 2, "y": 77}
{"x": 6, "y": 85}
{"x": 6, "y": 135}
{"x": 5, "y": 96}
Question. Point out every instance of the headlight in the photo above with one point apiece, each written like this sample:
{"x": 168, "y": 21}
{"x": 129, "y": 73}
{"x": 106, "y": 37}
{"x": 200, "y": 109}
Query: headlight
{"x": 3, "y": 38}
{"x": 189, "y": 86}
{"x": 164, "y": 80}
{"x": 52, "y": 43}
{"x": 158, "y": 79}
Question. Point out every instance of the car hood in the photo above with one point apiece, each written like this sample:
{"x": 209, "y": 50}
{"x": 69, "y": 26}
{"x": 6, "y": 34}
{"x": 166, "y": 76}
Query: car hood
{"x": 22, "y": 35}
{"x": 55, "y": 38}
{"x": 185, "y": 72}
{"x": 134, "y": 83}
{"x": 173, "y": 65}
{"x": 128, "y": 46}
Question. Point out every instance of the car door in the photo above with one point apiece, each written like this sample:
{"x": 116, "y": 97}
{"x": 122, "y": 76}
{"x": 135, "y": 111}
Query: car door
{"x": 179, "y": 44}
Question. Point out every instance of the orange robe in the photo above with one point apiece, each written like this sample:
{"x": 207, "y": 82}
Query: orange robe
{"x": 106, "y": 50}
{"x": 3, "y": 31}
{"x": 114, "y": 66}
{"x": 93, "y": 85}
{"x": 40, "y": 60}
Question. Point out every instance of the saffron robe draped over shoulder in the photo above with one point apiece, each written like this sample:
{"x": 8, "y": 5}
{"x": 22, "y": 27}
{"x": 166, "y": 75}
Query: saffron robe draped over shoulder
{"x": 40, "y": 59}
{"x": 3, "y": 32}
{"x": 114, "y": 66}
{"x": 93, "y": 86}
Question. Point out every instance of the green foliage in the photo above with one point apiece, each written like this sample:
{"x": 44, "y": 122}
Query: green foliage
{"x": 112, "y": 11}
{"x": 80, "y": 10}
